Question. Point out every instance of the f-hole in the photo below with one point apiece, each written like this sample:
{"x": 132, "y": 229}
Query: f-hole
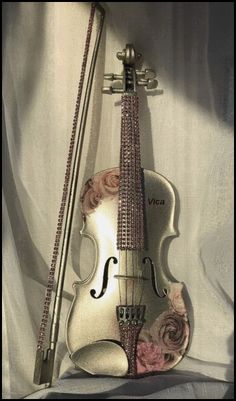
{"x": 156, "y": 290}
{"x": 105, "y": 279}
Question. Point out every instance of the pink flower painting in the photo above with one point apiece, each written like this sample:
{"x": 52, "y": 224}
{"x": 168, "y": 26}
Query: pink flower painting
{"x": 150, "y": 357}
{"x": 100, "y": 186}
{"x": 162, "y": 345}
{"x": 170, "y": 331}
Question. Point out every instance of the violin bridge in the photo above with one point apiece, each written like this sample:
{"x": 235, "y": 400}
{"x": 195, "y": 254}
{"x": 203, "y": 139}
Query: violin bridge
{"x": 131, "y": 320}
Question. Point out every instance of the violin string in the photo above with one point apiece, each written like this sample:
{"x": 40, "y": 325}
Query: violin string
{"x": 142, "y": 291}
{"x": 126, "y": 281}
{"x": 119, "y": 285}
{"x": 130, "y": 155}
{"x": 143, "y": 281}
{"x": 133, "y": 171}
{"x": 140, "y": 213}
{"x": 131, "y": 194}
{"x": 132, "y": 164}
{"x": 135, "y": 175}
{"x": 135, "y": 283}
{"x": 133, "y": 276}
{"x": 137, "y": 262}
{"x": 126, "y": 267}
{"x": 126, "y": 118}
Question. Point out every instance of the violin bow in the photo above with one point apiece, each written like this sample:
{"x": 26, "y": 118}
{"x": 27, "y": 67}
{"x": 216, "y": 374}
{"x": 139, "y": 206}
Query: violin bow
{"x": 44, "y": 362}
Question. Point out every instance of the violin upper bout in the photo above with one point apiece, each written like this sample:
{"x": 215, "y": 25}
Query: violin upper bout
{"x": 99, "y": 206}
{"x": 160, "y": 207}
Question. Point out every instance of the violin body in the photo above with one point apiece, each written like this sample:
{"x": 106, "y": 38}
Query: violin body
{"x": 127, "y": 277}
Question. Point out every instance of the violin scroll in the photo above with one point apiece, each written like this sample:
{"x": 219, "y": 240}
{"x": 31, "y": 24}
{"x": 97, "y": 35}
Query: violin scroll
{"x": 131, "y": 77}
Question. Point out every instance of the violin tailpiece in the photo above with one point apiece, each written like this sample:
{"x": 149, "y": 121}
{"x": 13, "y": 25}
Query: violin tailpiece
{"x": 129, "y": 333}
{"x": 131, "y": 320}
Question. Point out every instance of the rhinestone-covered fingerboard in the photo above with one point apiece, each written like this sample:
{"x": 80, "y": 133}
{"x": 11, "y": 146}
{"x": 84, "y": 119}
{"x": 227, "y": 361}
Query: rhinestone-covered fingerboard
{"x": 130, "y": 232}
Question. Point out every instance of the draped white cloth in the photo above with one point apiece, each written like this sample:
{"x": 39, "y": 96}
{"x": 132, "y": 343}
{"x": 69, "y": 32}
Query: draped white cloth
{"x": 186, "y": 135}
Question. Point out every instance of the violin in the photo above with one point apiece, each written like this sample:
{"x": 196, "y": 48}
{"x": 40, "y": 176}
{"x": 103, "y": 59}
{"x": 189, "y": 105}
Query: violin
{"x": 128, "y": 318}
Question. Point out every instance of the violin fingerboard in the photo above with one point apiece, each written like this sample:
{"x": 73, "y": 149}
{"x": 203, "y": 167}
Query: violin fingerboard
{"x": 130, "y": 232}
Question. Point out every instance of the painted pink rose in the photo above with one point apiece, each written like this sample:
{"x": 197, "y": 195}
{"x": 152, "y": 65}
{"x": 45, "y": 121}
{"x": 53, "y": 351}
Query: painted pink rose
{"x": 90, "y": 200}
{"x": 149, "y": 358}
{"x": 171, "y": 332}
{"x": 102, "y": 185}
{"x": 107, "y": 182}
{"x": 176, "y": 298}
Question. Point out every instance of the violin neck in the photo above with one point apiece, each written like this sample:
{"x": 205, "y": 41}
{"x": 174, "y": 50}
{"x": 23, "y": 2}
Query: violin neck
{"x": 130, "y": 232}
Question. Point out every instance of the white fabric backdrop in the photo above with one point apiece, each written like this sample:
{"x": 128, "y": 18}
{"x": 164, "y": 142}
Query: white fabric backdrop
{"x": 186, "y": 136}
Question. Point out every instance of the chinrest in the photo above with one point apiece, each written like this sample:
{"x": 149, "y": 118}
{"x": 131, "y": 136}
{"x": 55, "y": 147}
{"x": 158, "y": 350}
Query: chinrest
{"x": 95, "y": 358}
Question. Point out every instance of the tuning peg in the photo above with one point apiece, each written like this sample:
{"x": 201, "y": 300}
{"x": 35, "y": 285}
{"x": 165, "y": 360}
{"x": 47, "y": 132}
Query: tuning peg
{"x": 152, "y": 83}
{"x": 109, "y": 90}
{"x": 149, "y": 83}
{"x": 112, "y": 77}
{"x": 149, "y": 74}
{"x": 109, "y": 77}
